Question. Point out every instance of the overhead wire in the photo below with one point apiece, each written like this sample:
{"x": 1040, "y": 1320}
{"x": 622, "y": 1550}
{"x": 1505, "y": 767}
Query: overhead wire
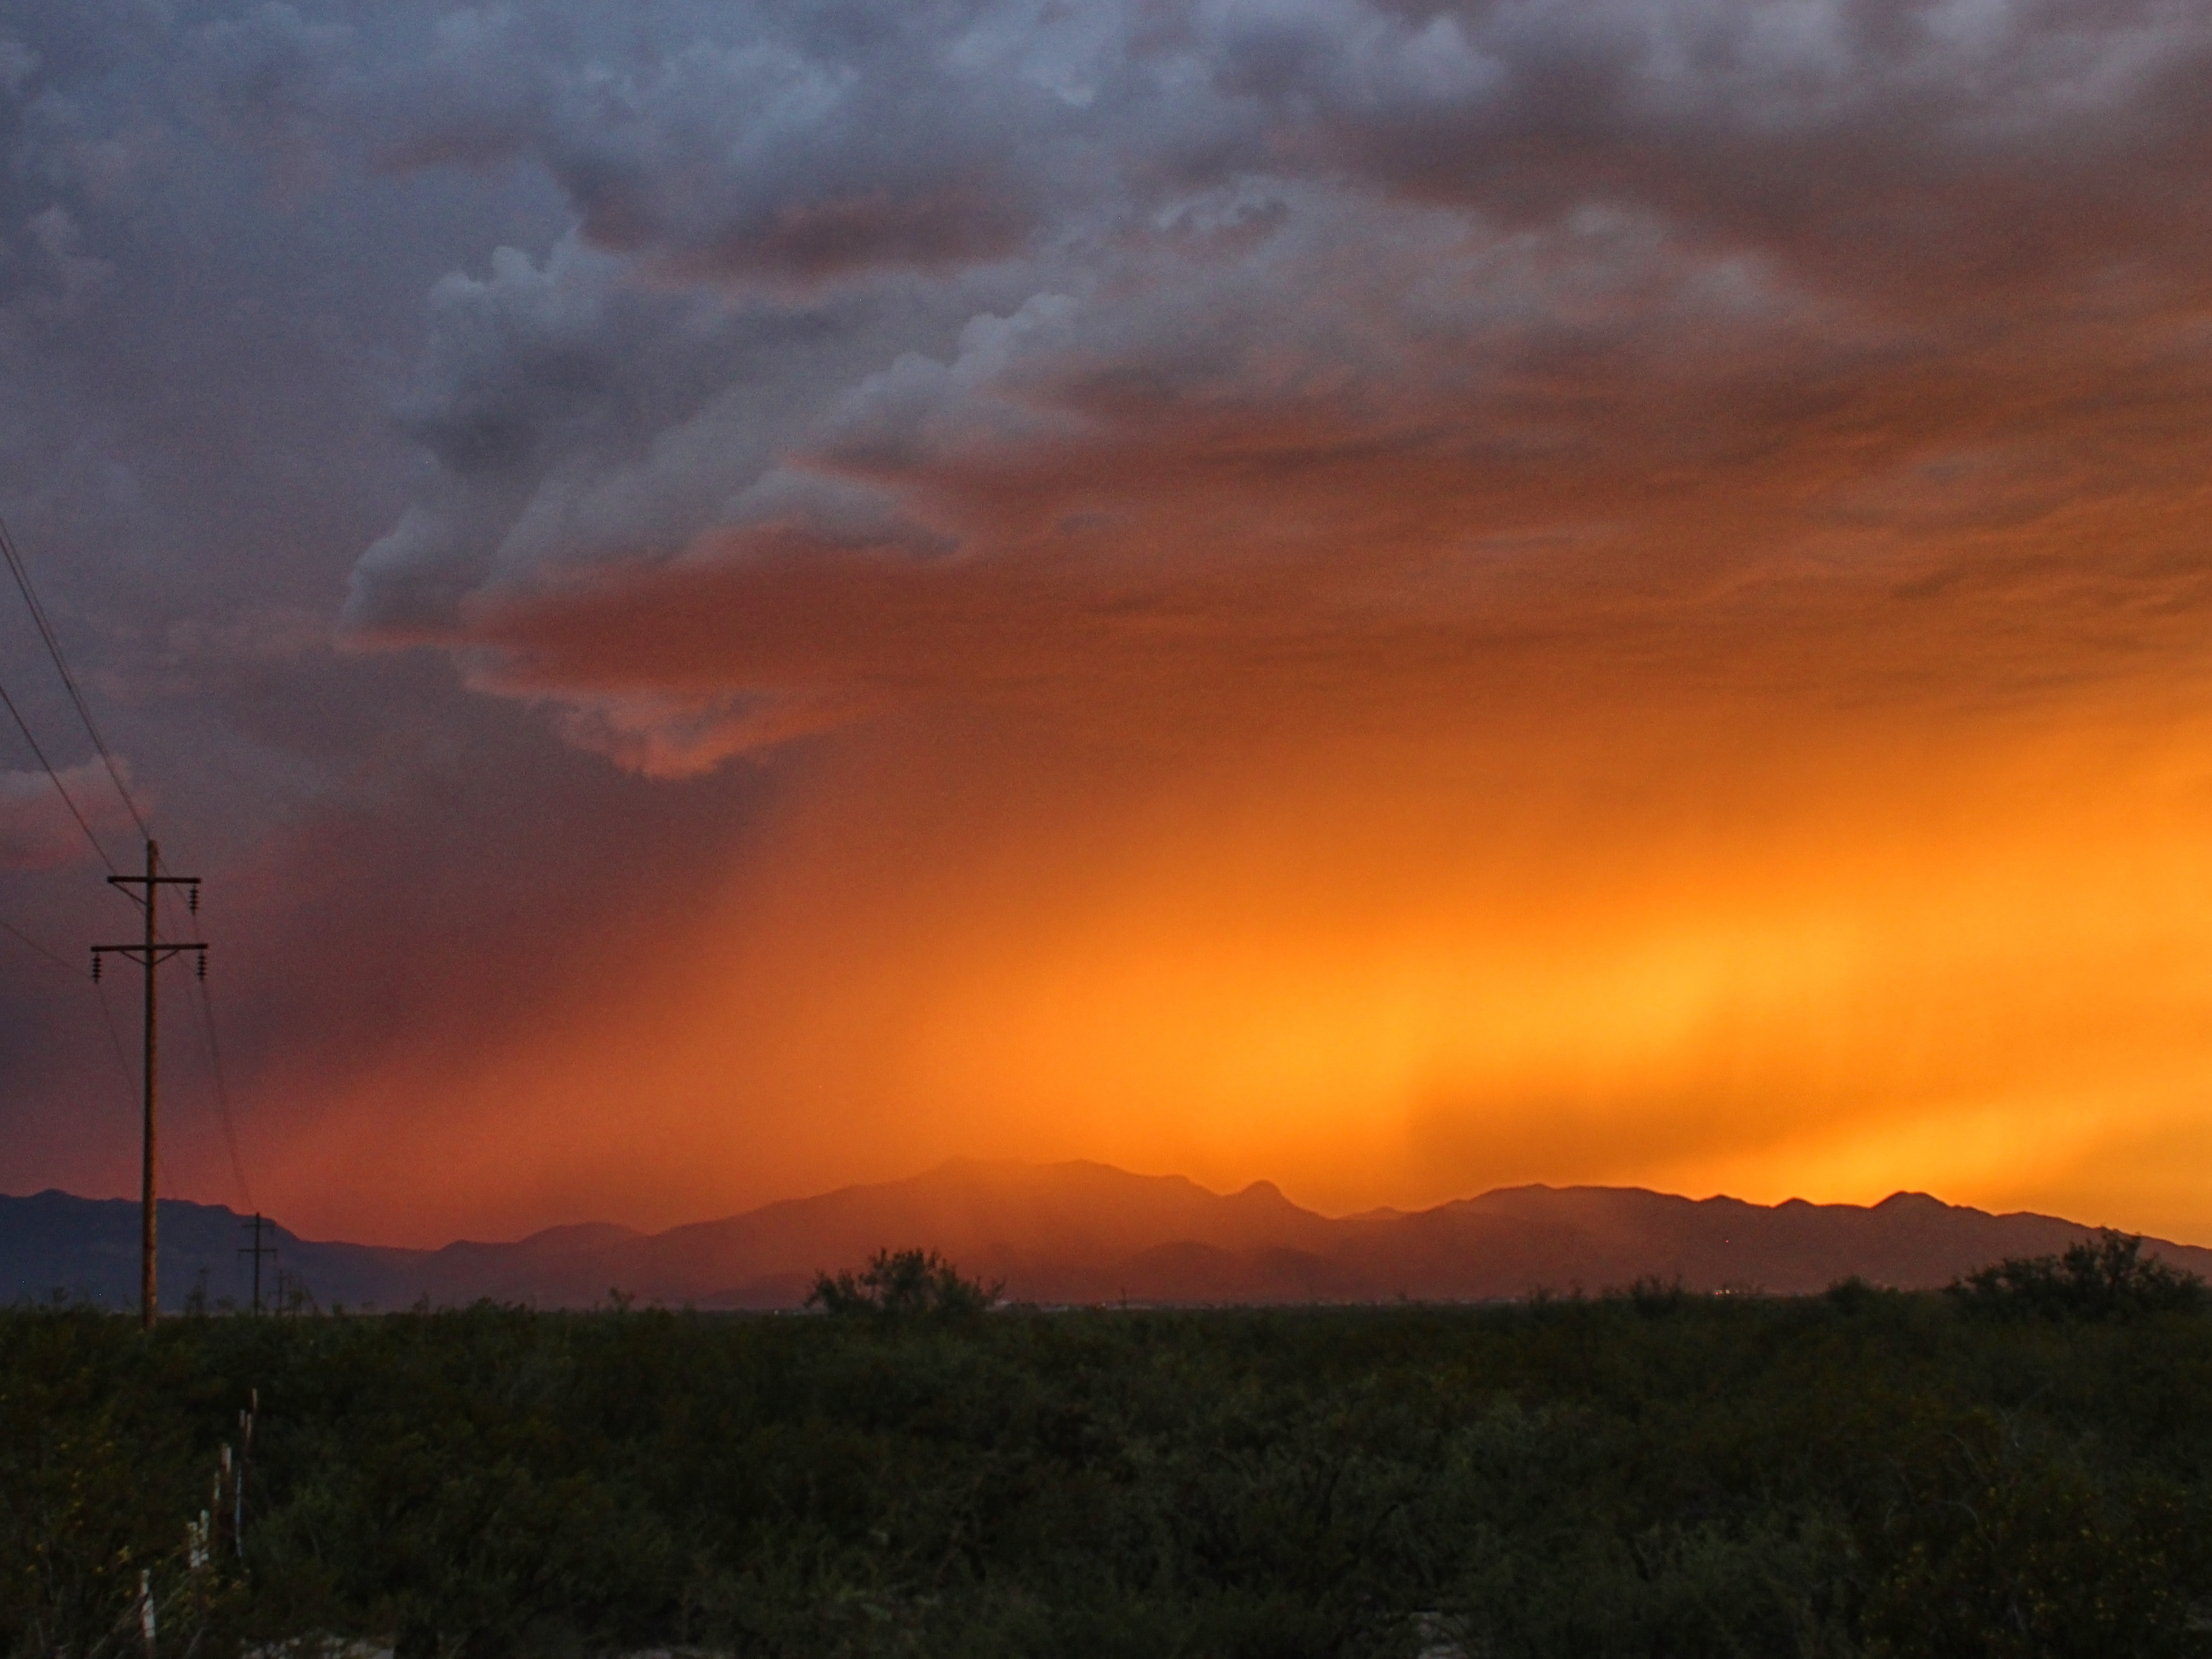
{"x": 24, "y": 938}
{"x": 55, "y": 777}
{"x": 68, "y": 681}
{"x": 106, "y": 1014}
{"x": 209, "y": 1041}
{"x": 223, "y": 1097}
{"x": 114, "y": 1037}
{"x": 53, "y": 648}
{"x": 211, "y": 1046}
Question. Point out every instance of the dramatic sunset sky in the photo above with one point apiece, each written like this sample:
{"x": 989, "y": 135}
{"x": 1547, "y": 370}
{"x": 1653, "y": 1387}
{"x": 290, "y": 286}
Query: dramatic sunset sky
{"x": 1393, "y": 595}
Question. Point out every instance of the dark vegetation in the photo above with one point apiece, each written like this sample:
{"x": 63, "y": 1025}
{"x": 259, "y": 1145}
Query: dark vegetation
{"x": 2020, "y": 1468}
{"x": 903, "y": 1285}
{"x": 2108, "y": 1278}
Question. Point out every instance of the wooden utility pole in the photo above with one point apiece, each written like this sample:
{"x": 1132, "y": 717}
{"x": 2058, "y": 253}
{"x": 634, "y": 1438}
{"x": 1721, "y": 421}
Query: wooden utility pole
{"x": 151, "y": 952}
{"x": 257, "y": 1250}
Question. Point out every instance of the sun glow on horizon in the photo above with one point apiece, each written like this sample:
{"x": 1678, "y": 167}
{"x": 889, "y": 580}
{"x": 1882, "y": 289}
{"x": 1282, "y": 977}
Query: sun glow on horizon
{"x": 1982, "y": 979}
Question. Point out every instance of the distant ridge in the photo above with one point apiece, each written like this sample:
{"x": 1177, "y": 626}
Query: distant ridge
{"x": 1077, "y": 1232}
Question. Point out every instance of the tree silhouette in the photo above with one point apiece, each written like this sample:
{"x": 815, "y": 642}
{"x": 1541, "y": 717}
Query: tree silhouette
{"x": 903, "y": 1284}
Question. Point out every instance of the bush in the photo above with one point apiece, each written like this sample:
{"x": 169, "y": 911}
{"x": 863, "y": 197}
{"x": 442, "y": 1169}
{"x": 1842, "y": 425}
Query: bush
{"x": 903, "y": 1284}
{"x": 2106, "y": 1278}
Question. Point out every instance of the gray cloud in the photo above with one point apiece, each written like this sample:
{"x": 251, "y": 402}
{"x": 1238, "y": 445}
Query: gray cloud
{"x": 822, "y": 262}
{"x": 37, "y": 831}
{"x": 794, "y": 222}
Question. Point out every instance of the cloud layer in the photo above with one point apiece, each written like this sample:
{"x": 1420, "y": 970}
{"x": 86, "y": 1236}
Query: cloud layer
{"x": 1119, "y": 298}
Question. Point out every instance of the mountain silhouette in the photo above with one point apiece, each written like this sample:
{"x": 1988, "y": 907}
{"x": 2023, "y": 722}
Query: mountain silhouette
{"x": 1069, "y": 1233}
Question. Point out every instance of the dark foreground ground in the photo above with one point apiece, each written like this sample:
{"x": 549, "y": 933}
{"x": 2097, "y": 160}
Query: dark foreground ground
{"x": 1865, "y": 1473}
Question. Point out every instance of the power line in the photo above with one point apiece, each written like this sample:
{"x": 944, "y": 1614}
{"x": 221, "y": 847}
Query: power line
{"x": 211, "y": 1045}
{"x": 114, "y": 1037}
{"x": 69, "y": 680}
{"x": 106, "y": 1014}
{"x": 149, "y": 954}
{"x": 60, "y": 788}
{"x": 223, "y": 1095}
{"x": 24, "y": 938}
{"x": 38, "y": 616}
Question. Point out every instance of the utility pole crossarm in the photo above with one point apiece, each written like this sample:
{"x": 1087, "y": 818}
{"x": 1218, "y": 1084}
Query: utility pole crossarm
{"x": 138, "y": 952}
{"x": 158, "y": 881}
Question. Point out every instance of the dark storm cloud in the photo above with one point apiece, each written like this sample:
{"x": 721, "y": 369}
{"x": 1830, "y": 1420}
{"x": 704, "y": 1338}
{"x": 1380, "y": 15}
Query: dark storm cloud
{"x": 791, "y": 280}
{"x": 206, "y": 312}
{"x": 767, "y": 157}
{"x": 1859, "y": 133}
{"x": 846, "y": 273}
{"x": 38, "y": 830}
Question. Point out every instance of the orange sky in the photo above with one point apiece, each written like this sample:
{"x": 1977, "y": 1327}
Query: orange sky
{"x": 1821, "y": 822}
{"x": 1764, "y": 793}
{"x": 1691, "y": 953}
{"x": 1398, "y": 598}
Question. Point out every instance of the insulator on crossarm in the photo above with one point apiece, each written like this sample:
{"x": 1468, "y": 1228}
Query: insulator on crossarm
{"x": 192, "y": 900}
{"x": 95, "y": 967}
{"x": 202, "y": 964}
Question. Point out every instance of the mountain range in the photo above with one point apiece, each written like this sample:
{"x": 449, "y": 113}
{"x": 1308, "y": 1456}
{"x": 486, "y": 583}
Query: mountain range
{"x": 1065, "y": 1233}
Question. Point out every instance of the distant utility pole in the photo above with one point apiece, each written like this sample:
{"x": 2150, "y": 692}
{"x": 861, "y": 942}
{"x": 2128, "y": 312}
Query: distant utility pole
{"x": 257, "y": 1250}
{"x": 152, "y": 952}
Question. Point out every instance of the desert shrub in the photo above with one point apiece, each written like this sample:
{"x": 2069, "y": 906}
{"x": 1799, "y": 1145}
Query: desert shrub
{"x": 2001, "y": 1543}
{"x": 902, "y": 1285}
{"x": 2105, "y": 1277}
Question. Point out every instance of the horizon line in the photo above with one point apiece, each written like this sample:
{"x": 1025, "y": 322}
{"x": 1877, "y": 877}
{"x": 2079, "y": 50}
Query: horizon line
{"x": 958, "y": 1161}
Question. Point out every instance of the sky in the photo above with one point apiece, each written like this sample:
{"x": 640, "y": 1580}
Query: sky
{"x": 1393, "y": 596}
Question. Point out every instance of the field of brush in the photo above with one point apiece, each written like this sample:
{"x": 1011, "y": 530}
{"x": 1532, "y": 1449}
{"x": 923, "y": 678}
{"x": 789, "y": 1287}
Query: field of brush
{"x": 1862, "y": 1472}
